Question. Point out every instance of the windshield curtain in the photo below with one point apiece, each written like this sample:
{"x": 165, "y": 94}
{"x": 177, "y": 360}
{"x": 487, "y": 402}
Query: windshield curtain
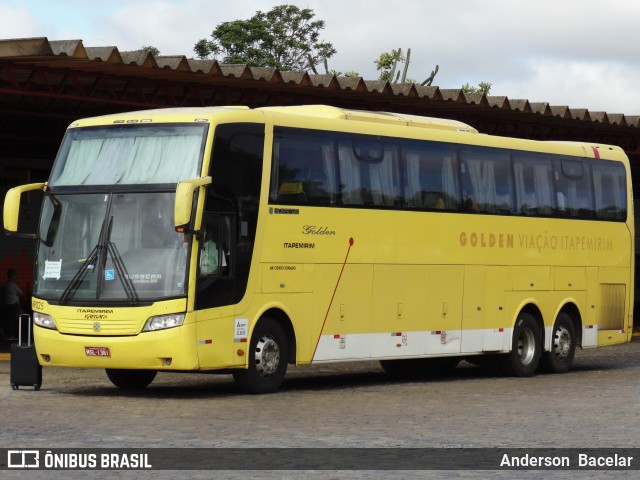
{"x": 129, "y": 154}
{"x": 111, "y": 247}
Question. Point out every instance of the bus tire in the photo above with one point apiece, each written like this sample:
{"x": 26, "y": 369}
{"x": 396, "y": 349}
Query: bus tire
{"x": 526, "y": 348}
{"x": 563, "y": 345}
{"x": 131, "y": 379}
{"x": 268, "y": 357}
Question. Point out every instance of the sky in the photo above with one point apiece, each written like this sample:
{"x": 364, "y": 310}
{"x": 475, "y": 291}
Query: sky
{"x": 579, "y": 53}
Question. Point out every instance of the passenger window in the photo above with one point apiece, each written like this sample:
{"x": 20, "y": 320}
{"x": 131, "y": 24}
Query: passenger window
{"x": 303, "y": 171}
{"x": 431, "y": 176}
{"x": 609, "y": 185}
{"x": 573, "y": 185}
{"x": 487, "y": 186}
{"x": 535, "y": 188}
{"x": 369, "y": 172}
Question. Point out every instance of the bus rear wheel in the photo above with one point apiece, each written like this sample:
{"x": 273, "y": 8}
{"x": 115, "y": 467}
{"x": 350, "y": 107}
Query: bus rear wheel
{"x": 268, "y": 357}
{"x": 563, "y": 346}
{"x": 131, "y": 379}
{"x": 526, "y": 348}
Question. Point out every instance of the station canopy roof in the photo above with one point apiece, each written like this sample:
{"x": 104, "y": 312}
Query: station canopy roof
{"x": 45, "y": 85}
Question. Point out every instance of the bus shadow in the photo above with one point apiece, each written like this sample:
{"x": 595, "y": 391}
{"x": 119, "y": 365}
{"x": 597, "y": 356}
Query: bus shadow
{"x": 221, "y": 386}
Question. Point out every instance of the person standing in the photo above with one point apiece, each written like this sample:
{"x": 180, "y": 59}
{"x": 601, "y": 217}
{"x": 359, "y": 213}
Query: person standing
{"x": 12, "y": 294}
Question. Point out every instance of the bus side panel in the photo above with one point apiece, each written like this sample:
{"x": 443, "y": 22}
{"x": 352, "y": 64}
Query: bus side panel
{"x": 214, "y": 337}
{"x": 494, "y": 333}
{"x": 475, "y": 287}
{"x": 399, "y": 305}
{"x": 348, "y": 316}
{"x": 444, "y": 309}
{"x": 417, "y": 310}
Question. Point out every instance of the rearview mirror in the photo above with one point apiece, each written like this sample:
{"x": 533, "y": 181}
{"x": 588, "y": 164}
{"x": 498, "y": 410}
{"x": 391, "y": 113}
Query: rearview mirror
{"x": 184, "y": 202}
{"x": 11, "y": 211}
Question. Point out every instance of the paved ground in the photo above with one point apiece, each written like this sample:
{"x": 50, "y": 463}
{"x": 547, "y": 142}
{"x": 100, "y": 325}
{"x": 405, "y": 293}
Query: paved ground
{"x": 345, "y": 405}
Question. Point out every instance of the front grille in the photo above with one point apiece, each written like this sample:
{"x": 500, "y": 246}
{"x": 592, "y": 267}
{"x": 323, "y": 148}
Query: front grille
{"x": 105, "y": 326}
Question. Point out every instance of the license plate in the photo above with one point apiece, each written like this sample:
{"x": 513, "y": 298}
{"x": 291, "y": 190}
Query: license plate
{"x": 97, "y": 352}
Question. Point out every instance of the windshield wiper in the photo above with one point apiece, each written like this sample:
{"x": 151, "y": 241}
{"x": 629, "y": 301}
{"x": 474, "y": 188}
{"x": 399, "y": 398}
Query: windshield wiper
{"x": 104, "y": 247}
{"x": 121, "y": 269}
{"x": 92, "y": 259}
{"x": 79, "y": 276}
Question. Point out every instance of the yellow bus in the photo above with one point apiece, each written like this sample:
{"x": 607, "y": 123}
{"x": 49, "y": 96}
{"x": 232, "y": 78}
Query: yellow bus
{"x": 237, "y": 240}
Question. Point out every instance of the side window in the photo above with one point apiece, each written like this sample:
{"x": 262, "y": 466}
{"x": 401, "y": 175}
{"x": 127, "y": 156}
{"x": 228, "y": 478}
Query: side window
{"x": 369, "y": 172}
{"x": 487, "y": 185}
{"x": 610, "y": 186}
{"x": 430, "y": 176}
{"x": 303, "y": 170}
{"x": 535, "y": 188}
{"x": 215, "y": 246}
{"x": 573, "y": 184}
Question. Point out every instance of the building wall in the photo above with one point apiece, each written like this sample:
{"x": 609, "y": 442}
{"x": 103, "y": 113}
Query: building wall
{"x": 15, "y": 252}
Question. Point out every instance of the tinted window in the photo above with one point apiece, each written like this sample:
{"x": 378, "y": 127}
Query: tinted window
{"x": 535, "y": 186}
{"x": 486, "y": 180}
{"x": 369, "y": 172}
{"x": 304, "y": 170}
{"x": 573, "y": 184}
{"x": 430, "y": 176}
{"x": 609, "y": 185}
{"x": 340, "y": 169}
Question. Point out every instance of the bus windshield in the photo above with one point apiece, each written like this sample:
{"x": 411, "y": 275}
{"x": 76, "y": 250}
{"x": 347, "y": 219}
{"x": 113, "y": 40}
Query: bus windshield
{"x": 129, "y": 154}
{"x": 110, "y": 246}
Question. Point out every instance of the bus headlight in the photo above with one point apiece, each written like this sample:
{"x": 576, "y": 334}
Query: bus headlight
{"x": 44, "y": 321}
{"x": 162, "y": 322}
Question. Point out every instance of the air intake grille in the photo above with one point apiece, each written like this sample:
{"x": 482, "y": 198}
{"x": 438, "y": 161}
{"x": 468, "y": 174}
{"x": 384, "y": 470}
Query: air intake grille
{"x": 612, "y": 298}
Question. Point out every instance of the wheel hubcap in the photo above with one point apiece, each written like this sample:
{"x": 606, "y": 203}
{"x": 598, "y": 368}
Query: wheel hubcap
{"x": 267, "y": 356}
{"x": 526, "y": 346}
{"x": 562, "y": 343}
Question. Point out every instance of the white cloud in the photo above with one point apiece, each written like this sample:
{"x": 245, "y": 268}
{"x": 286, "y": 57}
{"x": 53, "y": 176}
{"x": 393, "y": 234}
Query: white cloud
{"x": 18, "y": 22}
{"x": 598, "y": 86}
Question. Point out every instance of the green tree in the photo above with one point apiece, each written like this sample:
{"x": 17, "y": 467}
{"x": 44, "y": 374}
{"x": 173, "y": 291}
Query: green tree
{"x": 285, "y": 37}
{"x": 389, "y": 65}
{"x": 152, "y": 50}
{"x": 483, "y": 87}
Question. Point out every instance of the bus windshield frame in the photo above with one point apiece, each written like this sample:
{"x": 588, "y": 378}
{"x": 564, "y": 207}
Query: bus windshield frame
{"x": 110, "y": 247}
{"x": 138, "y": 154}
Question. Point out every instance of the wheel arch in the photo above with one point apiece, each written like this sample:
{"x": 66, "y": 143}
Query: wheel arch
{"x": 532, "y": 309}
{"x": 571, "y": 309}
{"x": 284, "y": 321}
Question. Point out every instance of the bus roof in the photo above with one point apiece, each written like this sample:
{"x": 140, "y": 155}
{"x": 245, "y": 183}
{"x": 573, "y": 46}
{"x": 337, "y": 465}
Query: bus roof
{"x": 206, "y": 114}
{"x": 317, "y": 111}
{"x": 324, "y": 111}
{"x": 179, "y": 114}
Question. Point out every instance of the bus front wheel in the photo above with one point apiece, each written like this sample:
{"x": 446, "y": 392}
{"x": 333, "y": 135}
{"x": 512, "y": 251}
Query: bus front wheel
{"x": 131, "y": 379}
{"x": 526, "y": 348}
{"x": 268, "y": 357}
{"x": 563, "y": 346}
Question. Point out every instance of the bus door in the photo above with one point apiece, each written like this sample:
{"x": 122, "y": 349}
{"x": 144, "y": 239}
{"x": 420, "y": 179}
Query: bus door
{"x": 215, "y": 289}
